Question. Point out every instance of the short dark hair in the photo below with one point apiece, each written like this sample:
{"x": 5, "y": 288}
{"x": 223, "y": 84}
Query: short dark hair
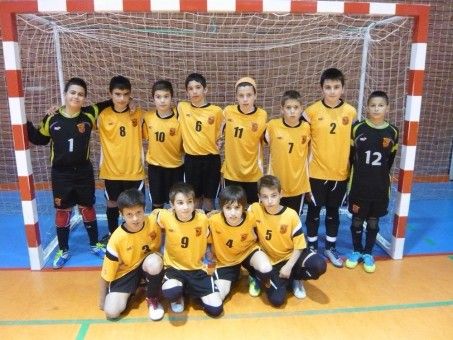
{"x": 231, "y": 194}
{"x": 378, "y": 94}
{"x": 162, "y": 85}
{"x": 196, "y": 77}
{"x": 120, "y": 83}
{"x": 270, "y": 182}
{"x": 290, "y": 94}
{"x": 181, "y": 188}
{"x": 130, "y": 198}
{"x": 332, "y": 74}
{"x": 75, "y": 81}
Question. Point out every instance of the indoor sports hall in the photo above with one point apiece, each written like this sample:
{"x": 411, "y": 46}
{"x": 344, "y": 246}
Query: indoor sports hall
{"x": 402, "y": 47}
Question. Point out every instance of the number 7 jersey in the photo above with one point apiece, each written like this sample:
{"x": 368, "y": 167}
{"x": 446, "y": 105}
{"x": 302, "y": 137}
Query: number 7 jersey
{"x": 330, "y": 136}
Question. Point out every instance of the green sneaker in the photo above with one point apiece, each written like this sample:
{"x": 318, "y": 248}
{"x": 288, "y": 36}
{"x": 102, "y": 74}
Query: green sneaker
{"x": 353, "y": 260}
{"x": 61, "y": 257}
{"x": 254, "y": 287}
{"x": 368, "y": 263}
{"x": 98, "y": 250}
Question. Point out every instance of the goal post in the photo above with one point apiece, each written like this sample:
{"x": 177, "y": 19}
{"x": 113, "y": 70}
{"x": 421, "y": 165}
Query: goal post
{"x": 417, "y": 13}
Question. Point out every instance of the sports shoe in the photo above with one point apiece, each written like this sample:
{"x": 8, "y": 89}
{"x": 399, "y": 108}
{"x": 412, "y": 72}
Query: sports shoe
{"x": 299, "y": 289}
{"x": 313, "y": 249}
{"x": 105, "y": 239}
{"x": 334, "y": 257}
{"x": 155, "y": 309}
{"x": 254, "y": 287}
{"x": 353, "y": 259}
{"x": 61, "y": 257}
{"x": 98, "y": 250}
{"x": 368, "y": 263}
{"x": 177, "y": 306}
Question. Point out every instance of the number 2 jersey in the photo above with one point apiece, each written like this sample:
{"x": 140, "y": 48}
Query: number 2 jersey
{"x": 330, "y": 135}
{"x": 373, "y": 150}
{"x": 126, "y": 250}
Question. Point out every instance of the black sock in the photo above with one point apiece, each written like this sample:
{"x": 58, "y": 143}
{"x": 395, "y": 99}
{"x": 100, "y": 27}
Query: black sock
{"x": 63, "y": 238}
{"x": 112, "y": 218}
{"x": 92, "y": 230}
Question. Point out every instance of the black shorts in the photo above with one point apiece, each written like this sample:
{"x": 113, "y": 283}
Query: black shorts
{"x": 73, "y": 185}
{"x": 113, "y": 188}
{"x": 203, "y": 173}
{"x": 250, "y": 188}
{"x": 366, "y": 209}
{"x": 294, "y": 202}
{"x": 232, "y": 273}
{"x": 161, "y": 180}
{"x": 127, "y": 283}
{"x": 197, "y": 283}
{"x": 326, "y": 193}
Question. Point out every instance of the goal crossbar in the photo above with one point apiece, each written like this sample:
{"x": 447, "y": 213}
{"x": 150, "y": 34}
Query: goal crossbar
{"x": 13, "y": 74}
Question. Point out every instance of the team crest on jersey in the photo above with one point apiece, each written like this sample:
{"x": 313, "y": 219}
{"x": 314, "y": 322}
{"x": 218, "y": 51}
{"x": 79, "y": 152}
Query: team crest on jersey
{"x": 243, "y": 237}
{"x": 197, "y": 231}
{"x": 345, "y": 120}
{"x": 283, "y": 228}
{"x": 81, "y": 127}
{"x": 355, "y": 208}
{"x": 386, "y": 142}
{"x": 172, "y": 131}
{"x": 57, "y": 201}
{"x": 134, "y": 122}
{"x": 211, "y": 120}
{"x": 254, "y": 127}
{"x": 304, "y": 139}
{"x": 153, "y": 235}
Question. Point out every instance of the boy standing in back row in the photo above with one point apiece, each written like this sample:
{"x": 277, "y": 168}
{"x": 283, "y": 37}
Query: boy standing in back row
{"x": 374, "y": 143}
{"x": 200, "y": 128}
{"x": 120, "y": 132}
{"x": 243, "y": 129}
{"x": 330, "y": 122}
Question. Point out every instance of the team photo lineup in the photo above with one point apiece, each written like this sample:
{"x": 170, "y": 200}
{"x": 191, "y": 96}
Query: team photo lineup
{"x": 217, "y": 210}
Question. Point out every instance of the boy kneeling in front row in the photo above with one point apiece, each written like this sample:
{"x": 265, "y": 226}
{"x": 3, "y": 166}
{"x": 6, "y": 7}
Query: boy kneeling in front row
{"x": 132, "y": 254}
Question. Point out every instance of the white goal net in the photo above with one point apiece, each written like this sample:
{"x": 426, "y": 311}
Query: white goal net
{"x": 281, "y": 52}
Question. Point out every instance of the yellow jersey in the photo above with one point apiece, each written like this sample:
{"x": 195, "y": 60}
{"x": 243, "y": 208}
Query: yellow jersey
{"x": 288, "y": 158}
{"x": 330, "y": 139}
{"x": 232, "y": 244}
{"x": 126, "y": 250}
{"x": 200, "y": 127}
{"x": 243, "y": 144}
{"x": 278, "y": 234}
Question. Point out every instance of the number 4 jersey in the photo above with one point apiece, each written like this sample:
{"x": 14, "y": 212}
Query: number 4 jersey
{"x": 373, "y": 149}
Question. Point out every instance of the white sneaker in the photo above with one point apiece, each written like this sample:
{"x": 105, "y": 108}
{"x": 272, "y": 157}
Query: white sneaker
{"x": 334, "y": 257}
{"x": 177, "y": 306}
{"x": 155, "y": 309}
{"x": 299, "y": 289}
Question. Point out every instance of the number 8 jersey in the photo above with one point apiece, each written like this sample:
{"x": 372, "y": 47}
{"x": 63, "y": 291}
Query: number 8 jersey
{"x": 373, "y": 149}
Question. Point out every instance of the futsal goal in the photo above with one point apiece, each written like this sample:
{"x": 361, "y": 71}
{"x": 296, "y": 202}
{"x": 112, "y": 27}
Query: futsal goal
{"x": 283, "y": 44}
